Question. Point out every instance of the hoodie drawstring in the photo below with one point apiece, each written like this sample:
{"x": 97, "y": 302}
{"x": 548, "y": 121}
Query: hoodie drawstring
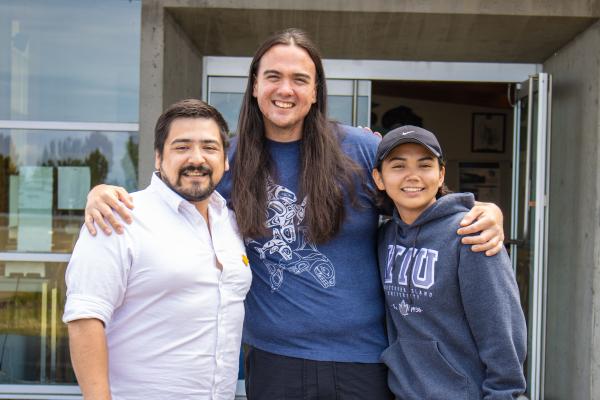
{"x": 411, "y": 266}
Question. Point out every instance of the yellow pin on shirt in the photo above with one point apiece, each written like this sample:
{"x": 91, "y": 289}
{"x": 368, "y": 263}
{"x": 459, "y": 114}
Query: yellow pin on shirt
{"x": 245, "y": 260}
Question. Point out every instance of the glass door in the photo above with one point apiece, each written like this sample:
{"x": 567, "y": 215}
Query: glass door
{"x": 530, "y": 215}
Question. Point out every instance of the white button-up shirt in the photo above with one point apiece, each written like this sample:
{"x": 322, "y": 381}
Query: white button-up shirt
{"x": 173, "y": 318}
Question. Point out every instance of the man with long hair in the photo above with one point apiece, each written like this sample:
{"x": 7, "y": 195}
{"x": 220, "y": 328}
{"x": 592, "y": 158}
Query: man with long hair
{"x": 302, "y": 193}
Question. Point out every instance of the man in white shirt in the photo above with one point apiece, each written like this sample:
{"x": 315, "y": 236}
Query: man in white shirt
{"x": 157, "y": 313}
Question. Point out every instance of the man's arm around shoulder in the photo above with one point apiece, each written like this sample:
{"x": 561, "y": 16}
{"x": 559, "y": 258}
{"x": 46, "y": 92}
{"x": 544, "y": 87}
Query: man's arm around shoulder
{"x": 89, "y": 355}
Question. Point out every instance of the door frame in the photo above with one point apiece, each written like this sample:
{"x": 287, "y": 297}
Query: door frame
{"x": 539, "y": 85}
{"x": 389, "y": 70}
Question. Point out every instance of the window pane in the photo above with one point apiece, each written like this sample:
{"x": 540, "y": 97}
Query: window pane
{"x": 340, "y": 108}
{"x": 362, "y": 119}
{"x": 69, "y": 60}
{"x": 34, "y": 340}
{"x": 229, "y": 105}
{"x": 44, "y": 180}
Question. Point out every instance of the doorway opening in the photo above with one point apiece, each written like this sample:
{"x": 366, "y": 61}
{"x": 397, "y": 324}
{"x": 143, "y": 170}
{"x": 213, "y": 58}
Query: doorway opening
{"x": 473, "y": 122}
{"x": 494, "y": 140}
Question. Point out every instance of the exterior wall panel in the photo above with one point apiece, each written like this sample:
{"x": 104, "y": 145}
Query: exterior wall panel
{"x": 573, "y": 332}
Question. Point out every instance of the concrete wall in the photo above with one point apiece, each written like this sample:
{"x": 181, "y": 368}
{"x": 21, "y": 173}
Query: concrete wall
{"x": 151, "y": 84}
{"x": 171, "y": 70}
{"x": 574, "y": 8}
{"x": 573, "y": 312}
{"x": 182, "y": 75}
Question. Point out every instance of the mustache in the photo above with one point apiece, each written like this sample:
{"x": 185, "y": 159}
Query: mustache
{"x": 205, "y": 169}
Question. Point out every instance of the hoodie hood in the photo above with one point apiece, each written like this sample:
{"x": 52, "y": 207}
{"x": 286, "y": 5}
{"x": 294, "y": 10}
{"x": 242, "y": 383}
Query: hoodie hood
{"x": 443, "y": 207}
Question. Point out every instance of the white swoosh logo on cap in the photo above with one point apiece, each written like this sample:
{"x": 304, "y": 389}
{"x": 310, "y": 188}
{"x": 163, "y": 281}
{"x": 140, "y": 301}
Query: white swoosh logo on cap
{"x": 406, "y": 133}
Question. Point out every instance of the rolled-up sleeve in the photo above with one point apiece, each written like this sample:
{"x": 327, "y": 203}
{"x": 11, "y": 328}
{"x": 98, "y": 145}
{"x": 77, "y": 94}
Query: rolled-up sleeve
{"x": 97, "y": 276}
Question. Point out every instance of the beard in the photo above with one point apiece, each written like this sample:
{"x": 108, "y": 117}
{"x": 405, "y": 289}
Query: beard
{"x": 195, "y": 191}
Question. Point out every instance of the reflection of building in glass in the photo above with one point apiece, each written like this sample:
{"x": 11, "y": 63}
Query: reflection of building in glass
{"x": 69, "y": 88}
{"x": 19, "y": 83}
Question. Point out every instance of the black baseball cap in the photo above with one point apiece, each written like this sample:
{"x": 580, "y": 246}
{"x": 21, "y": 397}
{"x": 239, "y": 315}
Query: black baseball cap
{"x": 407, "y": 134}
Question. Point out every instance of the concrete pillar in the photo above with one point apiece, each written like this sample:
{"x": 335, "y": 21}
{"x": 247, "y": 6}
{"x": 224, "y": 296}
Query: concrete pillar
{"x": 171, "y": 70}
{"x": 182, "y": 75}
{"x": 151, "y": 84}
{"x": 573, "y": 308}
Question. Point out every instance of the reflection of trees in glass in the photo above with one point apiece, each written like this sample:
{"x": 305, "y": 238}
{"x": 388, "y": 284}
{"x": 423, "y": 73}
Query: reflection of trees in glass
{"x": 133, "y": 151}
{"x": 75, "y": 148}
{"x": 97, "y": 163}
{"x": 70, "y": 152}
{"x": 130, "y": 164}
{"x": 7, "y": 168}
{"x": 21, "y": 313}
{"x": 20, "y": 328}
{"x": 4, "y": 143}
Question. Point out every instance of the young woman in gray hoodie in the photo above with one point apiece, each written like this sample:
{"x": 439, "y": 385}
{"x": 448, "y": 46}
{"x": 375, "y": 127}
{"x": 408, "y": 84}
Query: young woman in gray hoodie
{"x": 455, "y": 324}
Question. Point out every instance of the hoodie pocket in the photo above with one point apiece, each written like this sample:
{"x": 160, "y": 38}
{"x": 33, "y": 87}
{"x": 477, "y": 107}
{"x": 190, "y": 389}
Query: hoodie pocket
{"x": 418, "y": 370}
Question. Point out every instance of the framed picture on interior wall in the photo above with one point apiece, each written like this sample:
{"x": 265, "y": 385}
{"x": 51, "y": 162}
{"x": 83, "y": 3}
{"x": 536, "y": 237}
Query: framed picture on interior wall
{"x": 481, "y": 179}
{"x": 488, "y": 133}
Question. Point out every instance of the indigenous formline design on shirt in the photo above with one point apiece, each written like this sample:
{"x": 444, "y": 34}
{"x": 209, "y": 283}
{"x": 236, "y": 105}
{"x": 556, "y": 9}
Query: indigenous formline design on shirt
{"x": 288, "y": 249}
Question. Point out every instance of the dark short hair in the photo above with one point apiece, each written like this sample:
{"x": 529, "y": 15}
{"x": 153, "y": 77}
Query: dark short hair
{"x": 189, "y": 108}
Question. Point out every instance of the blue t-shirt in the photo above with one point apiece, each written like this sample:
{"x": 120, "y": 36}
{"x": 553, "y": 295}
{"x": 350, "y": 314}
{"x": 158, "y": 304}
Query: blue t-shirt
{"x": 319, "y": 302}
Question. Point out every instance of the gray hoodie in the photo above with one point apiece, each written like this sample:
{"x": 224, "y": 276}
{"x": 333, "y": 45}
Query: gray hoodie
{"x": 456, "y": 328}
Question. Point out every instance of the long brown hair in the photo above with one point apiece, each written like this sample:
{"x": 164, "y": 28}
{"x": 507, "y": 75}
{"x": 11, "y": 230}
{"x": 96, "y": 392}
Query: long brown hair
{"x": 327, "y": 175}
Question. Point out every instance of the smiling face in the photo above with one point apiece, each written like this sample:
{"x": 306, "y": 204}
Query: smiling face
{"x": 193, "y": 158}
{"x": 411, "y": 176}
{"x": 285, "y": 89}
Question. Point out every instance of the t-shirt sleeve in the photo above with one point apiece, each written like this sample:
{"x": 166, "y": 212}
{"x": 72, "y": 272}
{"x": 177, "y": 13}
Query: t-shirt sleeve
{"x": 491, "y": 302}
{"x": 361, "y": 147}
{"x": 97, "y": 276}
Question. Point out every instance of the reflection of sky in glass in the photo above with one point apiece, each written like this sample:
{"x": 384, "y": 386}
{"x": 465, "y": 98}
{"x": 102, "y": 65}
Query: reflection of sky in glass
{"x": 229, "y": 105}
{"x": 70, "y": 60}
{"x": 36, "y": 148}
{"x": 340, "y": 108}
{"x": 362, "y": 109}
